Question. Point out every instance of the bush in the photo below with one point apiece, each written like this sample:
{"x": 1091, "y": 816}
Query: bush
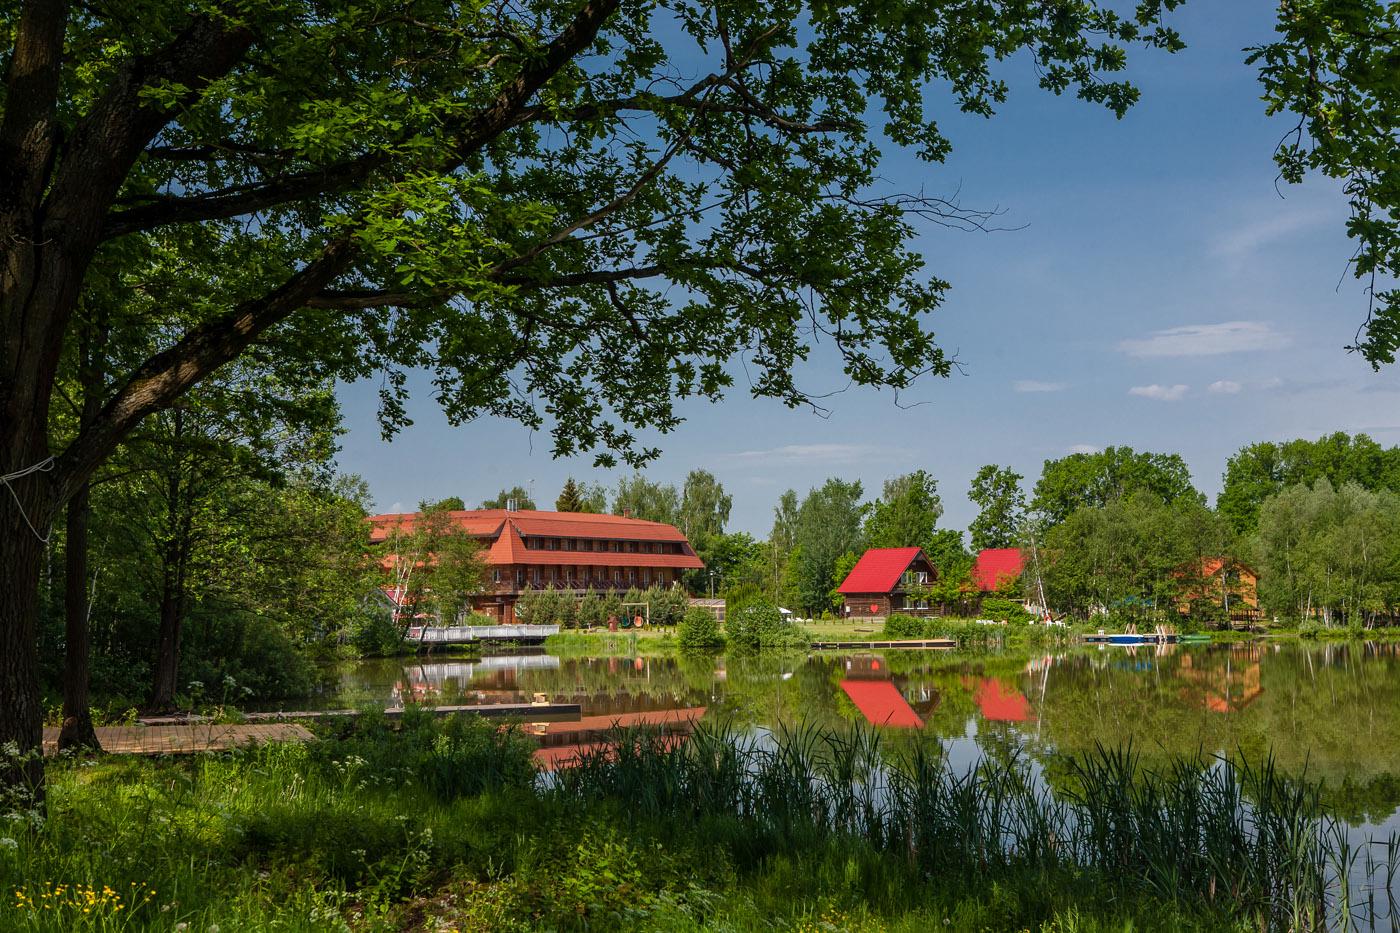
{"x": 761, "y": 625}
{"x": 1002, "y": 609}
{"x": 699, "y": 630}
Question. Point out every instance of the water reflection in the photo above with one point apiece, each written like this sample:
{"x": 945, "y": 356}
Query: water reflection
{"x": 1332, "y": 711}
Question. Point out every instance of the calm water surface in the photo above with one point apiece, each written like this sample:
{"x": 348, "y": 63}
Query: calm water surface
{"x": 1331, "y": 712}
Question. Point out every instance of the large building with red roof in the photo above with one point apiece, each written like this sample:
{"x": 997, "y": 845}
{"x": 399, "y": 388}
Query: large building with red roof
{"x": 882, "y": 580}
{"x": 566, "y": 550}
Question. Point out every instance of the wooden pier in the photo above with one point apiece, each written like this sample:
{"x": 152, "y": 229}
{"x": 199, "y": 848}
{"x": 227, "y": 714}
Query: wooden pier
{"x": 186, "y": 739}
{"x": 530, "y": 712}
{"x": 428, "y": 635}
{"x": 905, "y": 643}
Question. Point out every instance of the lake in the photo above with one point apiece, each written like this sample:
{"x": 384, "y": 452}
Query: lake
{"x": 1329, "y": 711}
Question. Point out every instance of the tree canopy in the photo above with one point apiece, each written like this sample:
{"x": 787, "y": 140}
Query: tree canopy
{"x": 906, "y": 512}
{"x": 1261, "y": 470}
{"x": 996, "y": 491}
{"x": 1096, "y": 479}
{"x": 502, "y": 500}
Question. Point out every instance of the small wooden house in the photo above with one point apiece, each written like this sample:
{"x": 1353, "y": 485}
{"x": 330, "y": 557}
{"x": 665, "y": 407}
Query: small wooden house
{"x": 887, "y": 580}
{"x": 1227, "y": 583}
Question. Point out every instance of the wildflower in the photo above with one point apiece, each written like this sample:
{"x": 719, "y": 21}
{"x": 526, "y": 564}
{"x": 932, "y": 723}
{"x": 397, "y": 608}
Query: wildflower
{"x": 7, "y": 843}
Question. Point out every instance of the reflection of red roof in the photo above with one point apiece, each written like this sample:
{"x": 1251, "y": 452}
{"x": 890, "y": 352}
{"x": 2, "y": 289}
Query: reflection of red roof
{"x": 995, "y": 564}
{"x": 661, "y": 717}
{"x": 879, "y": 570}
{"x": 999, "y": 704}
{"x": 881, "y": 703}
{"x": 590, "y": 733}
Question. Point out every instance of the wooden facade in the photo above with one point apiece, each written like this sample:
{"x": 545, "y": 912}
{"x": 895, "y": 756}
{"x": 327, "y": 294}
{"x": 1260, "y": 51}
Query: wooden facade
{"x": 886, "y": 581}
{"x": 569, "y": 551}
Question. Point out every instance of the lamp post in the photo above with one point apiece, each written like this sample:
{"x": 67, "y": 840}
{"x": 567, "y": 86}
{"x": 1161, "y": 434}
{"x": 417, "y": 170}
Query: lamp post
{"x": 712, "y": 584}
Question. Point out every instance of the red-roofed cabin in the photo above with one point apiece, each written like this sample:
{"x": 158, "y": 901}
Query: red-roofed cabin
{"x": 997, "y": 567}
{"x": 566, "y": 550}
{"x": 881, "y": 581}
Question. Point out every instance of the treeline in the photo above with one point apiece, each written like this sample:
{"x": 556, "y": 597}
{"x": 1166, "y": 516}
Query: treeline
{"x": 1318, "y": 523}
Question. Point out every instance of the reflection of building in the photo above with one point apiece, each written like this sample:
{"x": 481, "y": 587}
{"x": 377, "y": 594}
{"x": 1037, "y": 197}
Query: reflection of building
{"x": 999, "y": 703}
{"x": 881, "y": 703}
{"x": 1223, "y": 681}
{"x": 561, "y": 743}
{"x": 887, "y": 580}
{"x": 566, "y": 550}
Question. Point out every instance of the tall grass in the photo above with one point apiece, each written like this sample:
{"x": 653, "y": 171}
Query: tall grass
{"x": 1238, "y": 841}
{"x": 387, "y": 826}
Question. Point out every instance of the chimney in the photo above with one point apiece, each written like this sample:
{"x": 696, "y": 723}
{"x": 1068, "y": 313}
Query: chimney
{"x": 626, "y": 513}
{"x": 510, "y": 505}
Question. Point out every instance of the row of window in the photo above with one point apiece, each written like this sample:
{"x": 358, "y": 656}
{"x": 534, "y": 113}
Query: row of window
{"x": 567, "y": 578}
{"x": 613, "y": 547}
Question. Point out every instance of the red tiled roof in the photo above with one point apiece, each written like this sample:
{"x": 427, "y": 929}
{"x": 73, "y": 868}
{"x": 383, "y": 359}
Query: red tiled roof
{"x": 996, "y": 564}
{"x": 878, "y": 570}
{"x": 881, "y": 703}
{"x": 1000, "y": 705}
{"x": 505, "y": 531}
{"x": 487, "y": 522}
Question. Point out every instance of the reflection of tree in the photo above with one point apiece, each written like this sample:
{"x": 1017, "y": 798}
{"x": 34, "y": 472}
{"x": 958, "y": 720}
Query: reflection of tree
{"x": 1319, "y": 710}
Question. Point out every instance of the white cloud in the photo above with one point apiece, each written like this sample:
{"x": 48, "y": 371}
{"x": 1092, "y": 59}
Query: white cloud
{"x": 1207, "y": 340}
{"x": 1084, "y": 449}
{"x": 1160, "y": 393}
{"x": 1273, "y": 382}
{"x": 1034, "y": 385}
{"x": 810, "y": 453}
{"x": 1251, "y": 237}
{"x": 1225, "y": 387}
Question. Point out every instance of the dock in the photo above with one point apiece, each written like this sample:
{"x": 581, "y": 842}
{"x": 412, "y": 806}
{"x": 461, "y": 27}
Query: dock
{"x": 426, "y": 635}
{"x": 186, "y": 739}
{"x": 531, "y": 712}
{"x": 905, "y": 643}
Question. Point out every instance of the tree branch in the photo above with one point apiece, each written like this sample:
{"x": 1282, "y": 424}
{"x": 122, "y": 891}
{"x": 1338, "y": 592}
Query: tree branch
{"x": 163, "y": 378}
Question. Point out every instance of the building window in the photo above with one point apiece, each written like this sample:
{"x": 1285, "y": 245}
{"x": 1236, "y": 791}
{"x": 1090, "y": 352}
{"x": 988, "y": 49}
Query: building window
{"x": 496, "y": 575}
{"x": 520, "y": 577}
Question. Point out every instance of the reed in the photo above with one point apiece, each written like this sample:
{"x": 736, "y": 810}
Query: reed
{"x": 1240, "y": 841}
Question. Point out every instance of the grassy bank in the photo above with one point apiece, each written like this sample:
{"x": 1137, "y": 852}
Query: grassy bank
{"x": 650, "y": 641}
{"x": 443, "y": 825}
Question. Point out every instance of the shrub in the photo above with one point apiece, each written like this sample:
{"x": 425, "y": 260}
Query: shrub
{"x": 1002, "y": 609}
{"x": 898, "y": 625}
{"x": 699, "y": 630}
{"x": 761, "y": 625}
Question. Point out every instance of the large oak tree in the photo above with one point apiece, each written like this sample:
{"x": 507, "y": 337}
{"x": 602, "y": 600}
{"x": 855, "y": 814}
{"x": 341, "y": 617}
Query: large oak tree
{"x": 573, "y": 212}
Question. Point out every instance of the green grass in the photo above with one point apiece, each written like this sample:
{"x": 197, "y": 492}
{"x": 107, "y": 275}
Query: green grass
{"x": 443, "y": 825}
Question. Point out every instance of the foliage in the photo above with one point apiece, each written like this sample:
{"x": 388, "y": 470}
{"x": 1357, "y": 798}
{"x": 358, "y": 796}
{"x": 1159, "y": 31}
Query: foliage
{"x": 647, "y": 500}
{"x": 699, "y": 630}
{"x": 1000, "y": 609}
{"x": 704, "y": 507}
{"x": 1132, "y": 555}
{"x": 906, "y": 512}
{"x": 1330, "y": 553}
{"x": 1331, "y": 66}
{"x": 827, "y": 525}
{"x": 759, "y": 625}
{"x": 521, "y": 496}
{"x": 570, "y": 499}
{"x": 434, "y": 567}
{"x": 1267, "y": 468}
{"x": 1096, "y": 479}
{"x": 996, "y": 491}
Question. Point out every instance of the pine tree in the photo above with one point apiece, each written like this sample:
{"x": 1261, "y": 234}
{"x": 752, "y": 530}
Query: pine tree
{"x": 569, "y": 499}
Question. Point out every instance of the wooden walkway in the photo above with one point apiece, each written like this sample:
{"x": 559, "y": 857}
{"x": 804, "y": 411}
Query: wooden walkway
{"x": 186, "y": 740}
{"x": 909, "y": 643}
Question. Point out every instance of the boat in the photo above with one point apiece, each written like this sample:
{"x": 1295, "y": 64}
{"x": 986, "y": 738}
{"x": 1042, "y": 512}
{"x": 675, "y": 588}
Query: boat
{"x": 1198, "y": 638}
{"x": 1130, "y": 638}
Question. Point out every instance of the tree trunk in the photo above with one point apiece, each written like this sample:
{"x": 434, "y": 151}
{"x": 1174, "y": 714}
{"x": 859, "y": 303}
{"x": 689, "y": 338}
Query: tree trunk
{"x": 21, "y": 713}
{"x": 167, "y": 647}
{"x": 77, "y": 732}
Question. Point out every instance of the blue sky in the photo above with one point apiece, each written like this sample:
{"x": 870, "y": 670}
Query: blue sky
{"x": 1158, "y": 293}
